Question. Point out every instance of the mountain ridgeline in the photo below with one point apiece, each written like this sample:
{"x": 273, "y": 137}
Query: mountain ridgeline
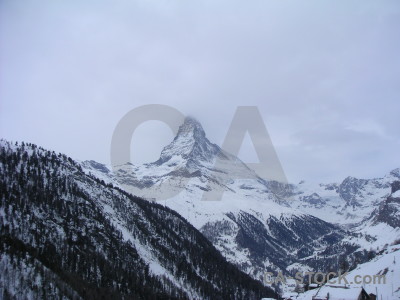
{"x": 69, "y": 235}
{"x": 261, "y": 225}
{"x": 88, "y": 231}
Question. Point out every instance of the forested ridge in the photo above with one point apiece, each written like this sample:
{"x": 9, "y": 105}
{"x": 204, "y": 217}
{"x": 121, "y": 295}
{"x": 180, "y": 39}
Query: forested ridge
{"x": 68, "y": 235}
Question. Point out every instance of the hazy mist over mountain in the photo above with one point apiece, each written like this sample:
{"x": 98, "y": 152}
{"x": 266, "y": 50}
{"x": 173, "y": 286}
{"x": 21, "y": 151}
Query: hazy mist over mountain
{"x": 323, "y": 75}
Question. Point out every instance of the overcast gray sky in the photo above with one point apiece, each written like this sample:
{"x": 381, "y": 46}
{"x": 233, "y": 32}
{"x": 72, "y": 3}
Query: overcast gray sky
{"x": 325, "y": 76}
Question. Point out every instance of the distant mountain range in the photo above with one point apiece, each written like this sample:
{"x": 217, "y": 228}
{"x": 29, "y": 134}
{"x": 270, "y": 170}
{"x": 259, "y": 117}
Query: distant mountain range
{"x": 351, "y": 201}
{"x": 263, "y": 225}
{"x": 86, "y": 230}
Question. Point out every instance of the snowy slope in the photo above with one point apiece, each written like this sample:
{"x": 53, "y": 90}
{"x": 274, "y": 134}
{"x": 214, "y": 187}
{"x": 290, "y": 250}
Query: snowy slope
{"x": 385, "y": 264}
{"x": 188, "y": 164}
{"x": 383, "y": 224}
{"x": 348, "y": 202}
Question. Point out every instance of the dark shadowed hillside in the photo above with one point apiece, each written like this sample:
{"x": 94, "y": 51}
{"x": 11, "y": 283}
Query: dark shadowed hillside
{"x": 67, "y": 235}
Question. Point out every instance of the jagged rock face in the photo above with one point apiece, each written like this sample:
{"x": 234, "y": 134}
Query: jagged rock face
{"x": 191, "y": 144}
{"x": 388, "y": 211}
{"x": 395, "y": 186}
{"x": 187, "y": 163}
{"x": 395, "y": 173}
{"x": 349, "y": 189}
{"x": 314, "y": 199}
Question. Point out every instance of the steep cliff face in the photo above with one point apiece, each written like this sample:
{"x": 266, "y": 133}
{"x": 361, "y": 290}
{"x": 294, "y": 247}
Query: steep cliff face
{"x": 388, "y": 211}
{"x": 187, "y": 164}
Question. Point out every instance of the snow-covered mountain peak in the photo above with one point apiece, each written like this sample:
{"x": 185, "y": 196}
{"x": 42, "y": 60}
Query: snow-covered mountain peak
{"x": 191, "y": 127}
{"x": 189, "y": 163}
{"x": 191, "y": 144}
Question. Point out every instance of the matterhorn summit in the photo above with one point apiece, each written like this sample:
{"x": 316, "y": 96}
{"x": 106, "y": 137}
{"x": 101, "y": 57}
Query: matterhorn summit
{"x": 191, "y": 144}
{"x": 190, "y": 163}
{"x": 244, "y": 219}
